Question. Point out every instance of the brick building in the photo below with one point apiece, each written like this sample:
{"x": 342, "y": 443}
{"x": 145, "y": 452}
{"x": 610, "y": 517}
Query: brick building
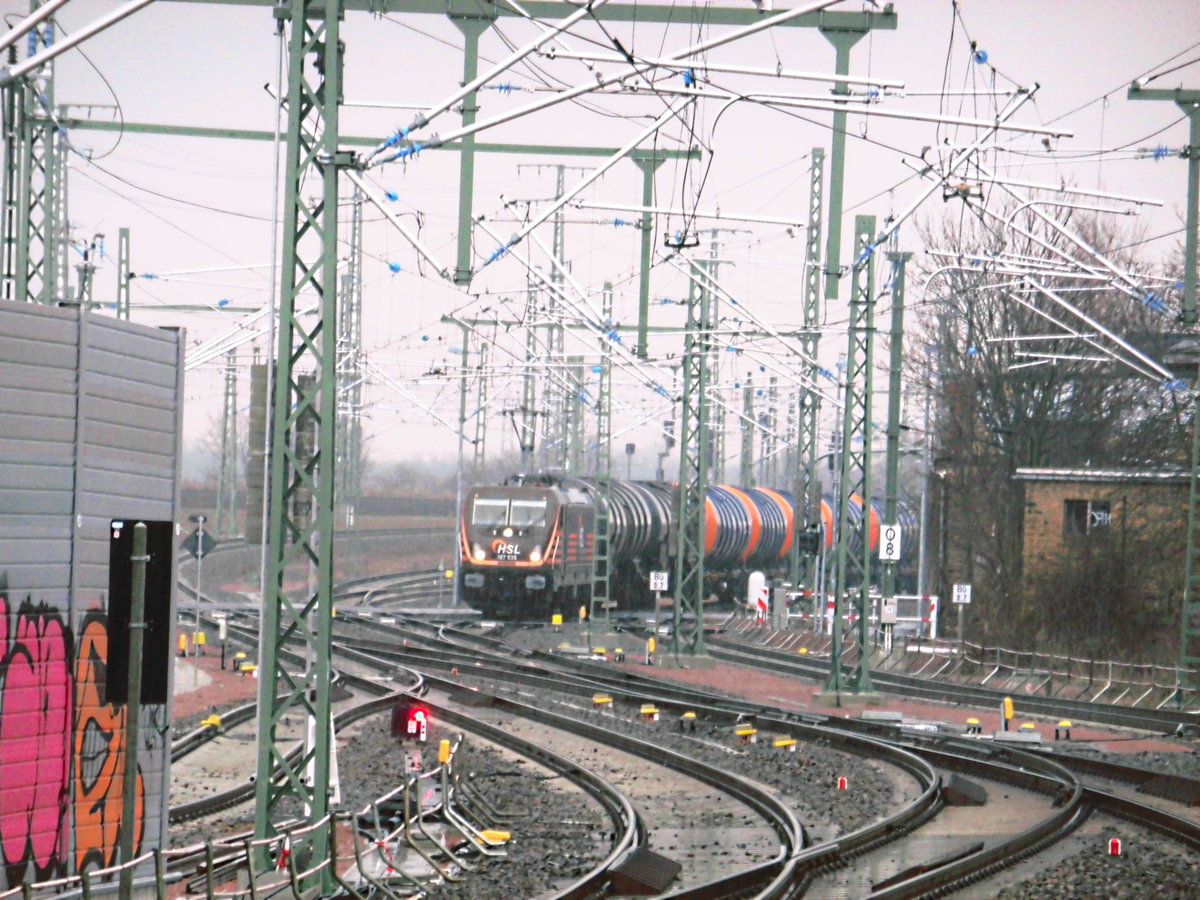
{"x": 1071, "y": 511}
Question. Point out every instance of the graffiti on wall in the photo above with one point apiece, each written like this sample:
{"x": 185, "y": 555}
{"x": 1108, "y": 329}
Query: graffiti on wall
{"x": 53, "y": 714}
{"x": 99, "y": 755}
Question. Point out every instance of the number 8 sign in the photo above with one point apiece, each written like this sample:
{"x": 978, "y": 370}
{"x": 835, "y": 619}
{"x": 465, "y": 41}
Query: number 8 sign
{"x": 889, "y": 543}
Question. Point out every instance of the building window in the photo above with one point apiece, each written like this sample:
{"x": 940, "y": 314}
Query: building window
{"x": 1086, "y": 516}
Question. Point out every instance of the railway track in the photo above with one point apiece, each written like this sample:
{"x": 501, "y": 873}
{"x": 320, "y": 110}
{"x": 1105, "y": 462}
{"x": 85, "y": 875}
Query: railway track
{"x": 1071, "y": 801}
{"x": 786, "y": 836}
{"x": 946, "y": 690}
{"x": 1084, "y": 800}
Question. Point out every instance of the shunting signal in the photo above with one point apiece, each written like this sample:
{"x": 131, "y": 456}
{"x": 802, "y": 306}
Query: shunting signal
{"x": 410, "y": 720}
{"x": 418, "y": 723}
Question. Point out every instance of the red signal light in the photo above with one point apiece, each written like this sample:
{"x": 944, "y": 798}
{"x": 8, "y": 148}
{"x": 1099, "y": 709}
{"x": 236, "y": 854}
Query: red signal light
{"x": 417, "y": 723}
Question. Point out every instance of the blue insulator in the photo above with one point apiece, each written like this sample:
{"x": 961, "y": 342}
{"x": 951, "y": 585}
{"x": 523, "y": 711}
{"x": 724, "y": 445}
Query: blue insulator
{"x": 1160, "y": 152}
{"x": 395, "y": 267}
{"x": 980, "y": 56}
{"x": 391, "y": 195}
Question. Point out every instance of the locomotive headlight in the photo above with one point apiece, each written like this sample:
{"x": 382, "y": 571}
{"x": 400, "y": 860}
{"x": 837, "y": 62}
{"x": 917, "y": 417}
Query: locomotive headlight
{"x": 535, "y": 555}
{"x": 507, "y": 532}
{"x": 477, "y": 551}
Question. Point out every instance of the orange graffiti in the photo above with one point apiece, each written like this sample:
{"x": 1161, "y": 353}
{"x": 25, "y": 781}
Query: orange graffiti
{"x": 99, "y": 755}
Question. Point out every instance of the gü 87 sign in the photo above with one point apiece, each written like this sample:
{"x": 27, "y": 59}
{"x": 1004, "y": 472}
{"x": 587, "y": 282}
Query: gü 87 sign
{"x": 889, "y": 543}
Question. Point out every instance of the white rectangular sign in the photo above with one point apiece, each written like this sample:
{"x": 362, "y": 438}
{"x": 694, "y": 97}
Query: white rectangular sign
{"x": 658, "y": 581}
{"x": 889, "y": 543}
{"x": 962, "y": 593}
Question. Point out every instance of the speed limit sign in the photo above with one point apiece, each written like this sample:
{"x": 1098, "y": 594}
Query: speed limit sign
{"x": 889, "y": 543}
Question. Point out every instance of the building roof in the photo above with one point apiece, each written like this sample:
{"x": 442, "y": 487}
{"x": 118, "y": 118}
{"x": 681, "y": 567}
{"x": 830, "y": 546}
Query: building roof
{"x": 1160, "y": 476}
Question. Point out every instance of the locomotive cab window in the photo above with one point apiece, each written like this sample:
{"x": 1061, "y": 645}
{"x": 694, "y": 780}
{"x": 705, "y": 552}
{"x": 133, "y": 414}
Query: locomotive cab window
{"x": 528, "y": 514}
{"x": 490, "y": 512}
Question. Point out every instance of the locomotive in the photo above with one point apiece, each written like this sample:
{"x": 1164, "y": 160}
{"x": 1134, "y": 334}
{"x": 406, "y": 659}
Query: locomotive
{"x": 527, "y": 545}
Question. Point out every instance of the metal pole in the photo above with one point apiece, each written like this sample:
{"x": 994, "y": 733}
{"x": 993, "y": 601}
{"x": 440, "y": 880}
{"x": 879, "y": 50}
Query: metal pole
{"x": 842, "y": 42}
{"x": 1189, "y": 613}
{"x": 896, "y": 361}
{"x": 456, "y": 555}
{"x": 471, "y": 26}
{"x": 922, "y": 555}
{"x": 133, "y": 706}
{"x": 648, "y": 165}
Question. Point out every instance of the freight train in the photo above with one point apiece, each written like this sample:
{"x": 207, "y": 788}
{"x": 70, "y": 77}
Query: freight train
{"x": 528, "y": 545}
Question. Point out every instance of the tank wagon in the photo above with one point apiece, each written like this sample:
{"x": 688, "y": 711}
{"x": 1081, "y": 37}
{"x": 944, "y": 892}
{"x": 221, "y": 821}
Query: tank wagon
{"x": 528, "y": 545}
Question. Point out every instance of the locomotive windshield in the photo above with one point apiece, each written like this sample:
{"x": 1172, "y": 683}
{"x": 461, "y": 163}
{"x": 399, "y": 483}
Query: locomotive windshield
{"x": 499, "y": 512}
{"x": 490, "y": 512}
{"x": 528, "y": 514}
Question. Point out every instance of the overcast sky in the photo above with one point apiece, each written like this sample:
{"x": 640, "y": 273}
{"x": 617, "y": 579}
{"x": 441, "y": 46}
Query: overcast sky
{"x": 202, "y": 204}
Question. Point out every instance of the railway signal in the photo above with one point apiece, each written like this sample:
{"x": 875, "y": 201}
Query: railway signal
{"x": 410, "y": 720}
{"x": 418, "y": 723}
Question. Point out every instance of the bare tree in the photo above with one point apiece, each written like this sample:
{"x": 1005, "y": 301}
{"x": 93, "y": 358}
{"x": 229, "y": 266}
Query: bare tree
{"x": 1014, "y": 389}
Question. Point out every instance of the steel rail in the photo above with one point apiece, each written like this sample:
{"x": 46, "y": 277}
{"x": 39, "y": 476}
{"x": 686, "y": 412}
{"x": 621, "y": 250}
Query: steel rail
{"x": 1159, "y": 721}
{"x": 797, "y": 871}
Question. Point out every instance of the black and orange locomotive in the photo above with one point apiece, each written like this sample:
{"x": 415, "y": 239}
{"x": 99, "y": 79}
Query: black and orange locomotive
{"x": 527, "y": 545}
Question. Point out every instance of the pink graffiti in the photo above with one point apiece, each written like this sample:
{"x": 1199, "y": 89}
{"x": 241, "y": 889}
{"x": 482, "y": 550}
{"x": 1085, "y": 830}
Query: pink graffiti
{"x": 36, "y": 703}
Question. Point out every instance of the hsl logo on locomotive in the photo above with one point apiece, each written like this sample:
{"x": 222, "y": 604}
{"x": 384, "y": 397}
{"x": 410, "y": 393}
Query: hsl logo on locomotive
{"x": 504, "y": 551}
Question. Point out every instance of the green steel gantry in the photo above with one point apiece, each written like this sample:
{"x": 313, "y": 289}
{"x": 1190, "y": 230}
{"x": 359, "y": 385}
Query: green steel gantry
{"x": 746, "y": 461}
{"x": 34, "y": 183}
{"x": 300, "y": 547}
{"x": 481, "y": 404}
{"x": 349, "y": 453}
{"x": 891, "y": 498}
{"x": 1189, "y": 615}
{"x": 687, "y": 635}
{"x": 601, "y": 557}
{"x": 804, "y": 488}
{"x": 856, "y": 466}
{"x": 124, "y": 274}
{"x": 225, "y": 522}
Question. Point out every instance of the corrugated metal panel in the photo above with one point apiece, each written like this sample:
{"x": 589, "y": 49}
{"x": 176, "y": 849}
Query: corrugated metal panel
{"x": 64, "y": 476}
{"x": 38, "y": 356}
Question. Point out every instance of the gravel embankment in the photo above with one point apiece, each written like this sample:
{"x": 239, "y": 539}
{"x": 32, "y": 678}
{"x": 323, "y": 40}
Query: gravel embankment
{"x": 1186, "y": 765}
{"x": 556, "y": 835}
{"x": 808, "y": 777}
{"x": 1143, "y": 871}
